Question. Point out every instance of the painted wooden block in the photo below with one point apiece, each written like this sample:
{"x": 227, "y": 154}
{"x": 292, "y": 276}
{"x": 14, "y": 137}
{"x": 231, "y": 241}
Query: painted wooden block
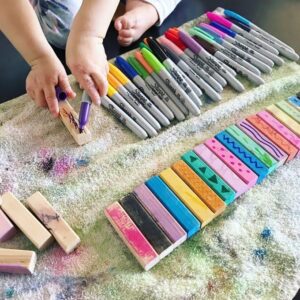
{"x": 295, "y": 101}
{"x": 242, "y": 153}
{"x": 58, "y": 227}
{"x": 253, "y": 147}
{"x": 160, "y": 215}
{"x": 273, "y": 135}
{"x": 7, "y": 229}
{"x": 176, "y": 208}
{"x": 289, "y": 110}
{"x": 25, "y": 221}
{"x": 17, "y": 261}
{"x": 234, "y": 163}
{"x": 131, "y": 236}
{"x": 70, "y": 118}
{"x": 199, "y": 187}
{"x": 151, "y": 231}
{"x": 263, "y": 141}
{"x": 225, "y": 192}
{"x": 187, "y": 196}
{"x": 285, "y": 119}
{"x": 221, "y": 169}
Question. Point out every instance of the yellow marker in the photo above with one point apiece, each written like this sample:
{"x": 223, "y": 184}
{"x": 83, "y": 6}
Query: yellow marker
{"x": 118, "y": 74}
{"x": 284, "y": 118}
{"x": 187, "y": 196}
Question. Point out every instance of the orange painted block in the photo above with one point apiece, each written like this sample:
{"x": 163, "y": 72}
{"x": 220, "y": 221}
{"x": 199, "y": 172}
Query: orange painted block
{"x": 199, "y": 187}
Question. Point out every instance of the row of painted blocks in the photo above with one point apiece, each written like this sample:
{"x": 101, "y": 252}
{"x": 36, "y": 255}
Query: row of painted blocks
{"x": 167, "y": 209}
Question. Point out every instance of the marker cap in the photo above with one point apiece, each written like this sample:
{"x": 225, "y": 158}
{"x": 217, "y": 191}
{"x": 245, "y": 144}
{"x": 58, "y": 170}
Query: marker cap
{"x": 140, "y": 58}
{"x": 125, "y": 67}
{"x": 152, "y": 60}
{"x": 233, "y": 15}
{"x": 212, "y": 30}
{"x": 167, "y": 43}
{"x": 206, "y": 45}
{"x": 242, "y": 25}
{"x": 60, "y": 94}
{"x": 157, "y": 49}
{"x": 223, "y": 29}
{"x": 219, "y": 19}
{"x": 138, "y": 67}
{"x": 111, "y": 91}
{"x": 207, "y": 35}
{"x": 144, "y": 45}
{"x": 203, "y": 36}
{"x": 118, "y": 74}
{"x": 113, "y": 81}
{"x": 171, "y": 55}
{"x": 189, "y": 42}
{"x": 176, "y": 40}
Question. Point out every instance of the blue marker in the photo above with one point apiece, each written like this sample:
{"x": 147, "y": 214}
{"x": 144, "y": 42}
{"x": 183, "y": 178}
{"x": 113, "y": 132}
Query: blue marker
{"x": 294, "y": 100}
{"x": 84, "y": 111}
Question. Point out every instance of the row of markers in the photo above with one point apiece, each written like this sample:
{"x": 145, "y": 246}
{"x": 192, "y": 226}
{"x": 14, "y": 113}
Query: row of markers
{"x": 168, "y": 76}
{"x": 163, "y": 212}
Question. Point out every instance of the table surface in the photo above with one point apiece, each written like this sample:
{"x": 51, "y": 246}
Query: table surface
{"x": 264, "y": 13}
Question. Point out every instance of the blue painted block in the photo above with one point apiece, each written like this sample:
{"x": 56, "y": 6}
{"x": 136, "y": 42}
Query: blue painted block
{"x": 243, "y": 154}
{"x": 176, "y": 208}
{"x": 295, "y": 101}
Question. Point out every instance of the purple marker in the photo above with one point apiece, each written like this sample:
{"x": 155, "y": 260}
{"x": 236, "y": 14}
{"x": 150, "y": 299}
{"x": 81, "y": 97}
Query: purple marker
{"x": 84, "y": 111}
{"x": 60, "y": 94}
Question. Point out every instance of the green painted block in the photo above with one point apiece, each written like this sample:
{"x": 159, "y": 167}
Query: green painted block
{"x": 289, "y": 110}
{"x": 253, "y": 147}
{"x": 211, "y": 178}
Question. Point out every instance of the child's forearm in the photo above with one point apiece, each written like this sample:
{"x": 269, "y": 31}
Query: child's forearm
{"x": 20, "y": 24}
{"x": 93, "y": 18}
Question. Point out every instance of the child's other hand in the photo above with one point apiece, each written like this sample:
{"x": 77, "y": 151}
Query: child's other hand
{"x": 47, "y": 72}
{"x": 86, "y": 59}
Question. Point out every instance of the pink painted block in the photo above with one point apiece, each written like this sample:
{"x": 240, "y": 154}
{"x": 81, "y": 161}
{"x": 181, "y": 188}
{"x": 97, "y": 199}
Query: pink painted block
{"x": 221, "y": 169}
{"x": 281, "y": 129}
{"x": 131, "y": 236}
{"x": 7, "y": 229}
{"x": 235, "y": 164}
{"x": 160, "y": 215}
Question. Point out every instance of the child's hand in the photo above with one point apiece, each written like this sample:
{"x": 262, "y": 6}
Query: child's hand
{"x": 47, "y": 72}
{"x": 86, "y": 59}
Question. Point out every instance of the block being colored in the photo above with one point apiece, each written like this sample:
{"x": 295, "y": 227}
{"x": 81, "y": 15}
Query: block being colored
{"x": 199, "y": 187}
{"x": 221, "y": 169}
{"x": 151, "y": 231}
{"x": 70, "y": 118}
{"x": 187, "y": 196}
{"x": 160, "y": 215}
{"x": 284, "y": 119}
{"x": 281, "y": 129}
{"x": 176, "y": 208}
{"x": 243, "y": 154}
{"x": 235, "y": 164}
{"x": 7, "y": 229}
{"x": 263, "y": 141}
{"x": 253, "y": 147}
{"x": 295, "y": 101}
{"x": 273, "y": 135}
{"x": 131, "y": 236}
{"x": 224, "y": 191}
{"x": 25, "y": 221}
{"x": 58, "y": 227}
{"x": 17, "y": 261}
{"x": 289, "y": 110}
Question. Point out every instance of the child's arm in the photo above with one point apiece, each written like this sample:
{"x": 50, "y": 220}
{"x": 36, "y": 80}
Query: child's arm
{"x": 85, "y": 53}
{"x": 20, "y": 24}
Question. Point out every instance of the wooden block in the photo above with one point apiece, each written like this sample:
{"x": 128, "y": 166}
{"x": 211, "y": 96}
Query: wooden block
{"x": 289, "y": 110}
{"x": 131, "y": 236}
{"x": 70, "y": 118}
{"x": 17, "y": 261}
{"x": 187, "y": 196}
{"x": 58, "y": 227}
{"x": 253, "y": 147}
{"x": 200, "y": 188}
{"x": 284, "y": 119}
{"x": 25, "y": 221}
{"x": 273, "y": 135}
{"x": 7, "y": 229}
{"x": 263, "y": 141}
{"x": 221, "y": 169}
{"x": 176, "y": 208}
{"x": 243, "y": 154}
{"x": 160, "y": 215}
{"x": 151, "y": 231}
{"x": 235, "y": 164}
{"x": 295, "y": 101}
{"x": 224, "y": 191}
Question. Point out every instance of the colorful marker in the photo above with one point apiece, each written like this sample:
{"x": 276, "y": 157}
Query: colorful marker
{"x": 170, "y": 82}
{"x": 60, "y": 94}
{"x": 222, "y": 38}
{"x": 84, "y": 112}
{"x": 134, "y": 103}
{"x": 155, "y": 87}
{"x": 123, "y": 117}
{"x": 172, "y": 69}
{"x": 211, "y": 60}
{"x": 129, "y": 71}
{"x": 155, "y": 114}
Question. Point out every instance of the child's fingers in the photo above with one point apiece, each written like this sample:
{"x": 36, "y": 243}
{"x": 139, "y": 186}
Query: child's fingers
{"x": 39, "y": 98}
{"x": 126, "y": 33}
{"x": 89, "y": 86}
{"x": 101, "y": 83}
{"x": 66, "y": 87}
{"x": 51, "y": 99}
